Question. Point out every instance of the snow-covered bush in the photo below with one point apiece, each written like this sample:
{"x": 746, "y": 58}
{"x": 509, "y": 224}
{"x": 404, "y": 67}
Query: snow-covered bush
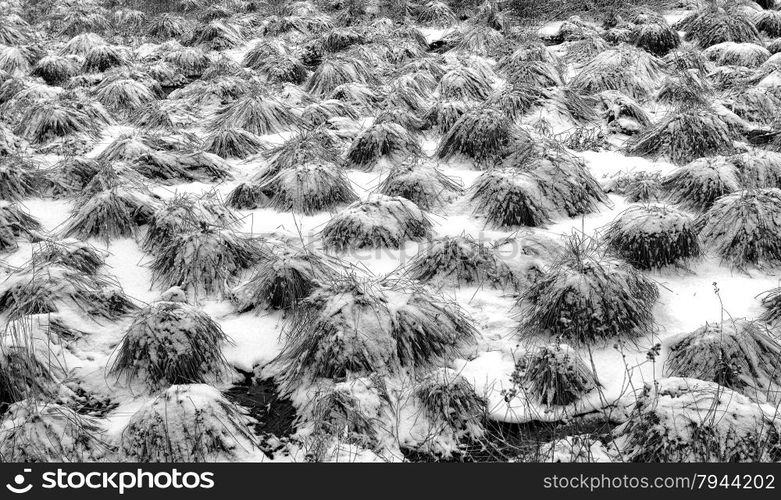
{"x": 768, "y": 22}
{"x": 653, "y": 236}
{"x": 749, "y": 55}
{"x": 354, "y": 328}
{"x": 510, "y": 197}
{"x": 637, "y": 187}
{"x": 285, "y": 278}
{"x": 738, "y": 354}
{"x": 378, "y": 221}
{"x": 49, "y": 432}
{"x": 55, "y": 70}
{"x": 255, "y": 113}
{"x": 657, "y": 37}
{"x": 716, "y": 25}
{"x": 627, "y": 69}
{"x": 77, "y": 255}
{"x": 587, "y": 298}
{"x": 23, "y": 375}
{"x": 99, "y": 58}
{"x": 464, "y": 84}
{"x": 170, "y": 342}
{"x": 308, "y": 189}
{"x": 451, "y": 404}
{"x": 744, "y": 228}
{"x": 14, "y": 222}
{"x": 688, "y": 420}
{"x": 426, "y": 186}
{"x": 189, "y": 423}
{"x": 233, "y": 143}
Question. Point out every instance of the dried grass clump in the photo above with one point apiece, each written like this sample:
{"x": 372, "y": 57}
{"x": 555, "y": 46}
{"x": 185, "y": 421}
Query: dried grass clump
{"x": 715, "y": 25}
{"x": 758, "y": 168}
{"x": 34, "y": 432}
{"x": 653, "y": 236}
{"x": 627, "y": 69}
{"x": 744, "y": 228}
{"x": 165, "y": 26}
{"x": 657, "y": 37}
{"x": 22, "y": 374}
{"x": 555, "y": 375}
{"x": 509, "y": 197}
{"x": 286, "y": 278}
{"x": 442, "y": 115}
{"x": 19, "y": 178}
{"x": 16, "y": 221}
{"x": 217, "y": 35}
{"x": 184, "y": 213}
{"x": 170, "y": 343}
{"x": 426, "y": 186}
{"x": 55, "y": 70}
{"x": 205, "y": 261}
{"x": 452, "y": 405}
{"x": 378, "y": 221}
{"x": 319, "y": 113}
{"x": 686, "y": 89}
{"x": 685, "y": 136}
{"x": 464, "y": 83}
{"x": 189, "y": 423}
{"x": 46, "y": 120}
{"x": 768, "y": 22}
{"x": 338, "y": 70}
{"x": 679, "y": 420}
{"x": 738, "y": 354}
{"x": 233, "y": 143}
{"x": 256, "y": 114}
{"x": 697, "y": 185}
{"x": 115, "y": 213}
{"x": 436, "y": 14}
{"x": 102, "y": 57}
{"x": 357, "y": 328}
{"x": 190, "y": 61}
{"x": 308, "y": 189}
{"x": 124, "y": 95}
{"x": 52, "y": 288}
{"x": 587, "y": 298}
{"x": 381, "y": 140}
{"x": 749, "y": 55}
{"x": 461, "y": 260}
{"x": 74, "y": 254}
{"x": 482, "y": 134}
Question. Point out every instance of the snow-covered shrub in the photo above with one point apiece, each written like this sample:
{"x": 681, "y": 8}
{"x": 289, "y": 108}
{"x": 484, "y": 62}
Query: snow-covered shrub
{"x": 308, "y": 189}
{"x": 334, "y": 71}
{"x": 461, "y": 260}
{"x": 533, "y": 74}
{"x": 424, "y": 185}
{"x": 639, "y": 187}
{"x": 337, "y": 414}
{"x": 464, "y": 83}
{"x": 49, "y": 432}
{"x": 442, "y": 115}
{"x": 204, "y": 261}
{"x": 555, "y": 375}
{"x": 758, "y": 168}
{"x": 318, "y": 113}
{"x": 657, "y": 37}
{"x": 45, "y": 120}
{"x": 124, "y": 95}
{"x": 687, "y": 420}
{"x": 616, "y": 107}
{"x": 697, "y": 185}
{"x": 685, "y": 89}
{"x": 744, "y": 227}
{"x": 231, "y": 142}
{"x": 378, "y": 221}
{"x": 75, "y": 254}
{"x": 587, "y": 298}
{"x": 653, "y": 236}
{"x": 116, "y": 213}
{"x": 180, "y": 166}
{"x": 381, "y": 140}
{"x": 436, "y": 14}
{"x": 48, "y": 289}
{"x": 245, "y": 196}
{"x": 451, "y": 404}
{"x": 738, "y": 354}
{"x": 217, "y": 34}
{"x": 754, "y": 104}
{"x": 685, "y": 136}
{"x": 189, "y": 423}
{"x": 715, "y": 25}
{"x": 482, "y": 134}
{"x": 749, "y": 55}
{"x": 354, "y": 328}
{"x": 170, "y": 342}
{"x": 286, "y": 278}
{"x": 13, "y": 223}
